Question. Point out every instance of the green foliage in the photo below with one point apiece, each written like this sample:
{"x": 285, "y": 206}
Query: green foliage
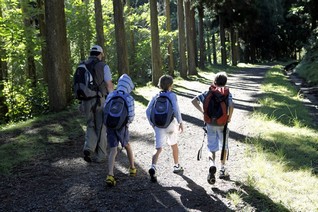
{"x": 25, "y": 102}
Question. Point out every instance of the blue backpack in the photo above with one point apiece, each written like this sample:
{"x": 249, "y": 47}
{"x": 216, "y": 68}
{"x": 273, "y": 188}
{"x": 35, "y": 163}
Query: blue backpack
{"x": 162, "y": 111}
{"x": 116, "y": 111}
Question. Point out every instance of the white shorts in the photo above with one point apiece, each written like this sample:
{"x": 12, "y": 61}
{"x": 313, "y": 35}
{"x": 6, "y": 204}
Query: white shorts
{"x": 215, "y": 137}
{"x": 168, "y": 134}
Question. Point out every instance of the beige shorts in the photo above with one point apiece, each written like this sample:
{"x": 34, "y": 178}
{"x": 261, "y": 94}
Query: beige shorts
{"x": 168, "y": 134}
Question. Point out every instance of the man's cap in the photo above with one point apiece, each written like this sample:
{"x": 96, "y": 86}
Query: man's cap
{"x": 97, "y": 48}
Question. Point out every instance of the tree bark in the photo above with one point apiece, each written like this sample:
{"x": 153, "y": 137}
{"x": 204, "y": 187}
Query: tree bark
{"x": 189, "y": 16}
{"x": 201, "y": 37}
{"x": 234, "y": 44}
{"x": 182, "y": 40}
{"x": 215, "y": 61}
{"x": 3, "y": 74}
{"x": 121, "y": 41}
{"x": 28, "y": 33}
{"x": 155, "y": 46}
{"x": 58, "y": 66}
{"x": 222, "y": 38}
{"x": 100, "y": 40}
{"x": 41, "y": 19}
{"x": 170, "y": 47}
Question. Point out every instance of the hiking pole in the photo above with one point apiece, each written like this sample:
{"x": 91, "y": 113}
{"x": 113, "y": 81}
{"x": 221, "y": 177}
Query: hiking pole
{"x": 224, "y": 141}
{"x": 199, "y": 155}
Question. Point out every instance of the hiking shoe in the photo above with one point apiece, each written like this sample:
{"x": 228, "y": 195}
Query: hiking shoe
{"x": 177, "y": 169}
{"x": 211, "y": 175}
{"x": 110, "y": 181}
{"x": 223, "y": 173}
{"x": 132, "y": 171}
{"x": 87, "y": 156}
{"x": 152, "y": 173}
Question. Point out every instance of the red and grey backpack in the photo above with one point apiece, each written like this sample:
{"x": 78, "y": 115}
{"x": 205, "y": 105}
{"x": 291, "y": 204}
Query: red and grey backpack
{"x": 215, "y": 105}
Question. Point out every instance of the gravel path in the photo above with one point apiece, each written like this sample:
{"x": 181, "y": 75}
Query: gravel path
{"x": 63, "y": 181}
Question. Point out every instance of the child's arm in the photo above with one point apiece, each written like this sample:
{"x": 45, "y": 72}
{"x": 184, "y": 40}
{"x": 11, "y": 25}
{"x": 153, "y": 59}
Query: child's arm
{"x": 231, "y": 108}
{"x": 196, "y": 104}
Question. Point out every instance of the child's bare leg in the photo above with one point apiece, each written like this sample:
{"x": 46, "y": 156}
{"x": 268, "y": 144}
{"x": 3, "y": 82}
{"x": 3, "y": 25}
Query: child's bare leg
{"x": 130, "y": 156}
{"x": 111, "y": 160}
{"x": 155, "y": 156}
{"x": 175, "y": 153}
{"x": 212, "y": 158}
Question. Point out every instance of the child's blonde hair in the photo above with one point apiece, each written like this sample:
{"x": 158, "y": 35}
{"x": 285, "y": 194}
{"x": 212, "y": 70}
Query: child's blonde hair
{"x": 165, "y": 81}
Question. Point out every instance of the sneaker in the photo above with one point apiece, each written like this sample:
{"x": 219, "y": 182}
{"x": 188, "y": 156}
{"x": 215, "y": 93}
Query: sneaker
{"x": 177, "y": 169}
{"x": 223, "y": 173}
{"x": 98, "y": 160}
{"x": 87, "y": 156}
{"x": 211, "y": 175}
{"x": 110, "y": 181}
{"x": 132, "y": 171}
{"x": 152, "y": 173}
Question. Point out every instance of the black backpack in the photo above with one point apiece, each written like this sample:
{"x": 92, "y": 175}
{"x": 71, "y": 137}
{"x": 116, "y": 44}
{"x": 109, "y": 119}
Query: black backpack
{"x": 84, "y": 82}
{"x": 162, "y": 111}
{"x": 116, "y": 111}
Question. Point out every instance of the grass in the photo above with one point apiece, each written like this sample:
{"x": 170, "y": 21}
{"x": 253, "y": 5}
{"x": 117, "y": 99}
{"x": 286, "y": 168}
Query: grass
{"x": 282, "y": 161}
{"x": 26, "y": 141}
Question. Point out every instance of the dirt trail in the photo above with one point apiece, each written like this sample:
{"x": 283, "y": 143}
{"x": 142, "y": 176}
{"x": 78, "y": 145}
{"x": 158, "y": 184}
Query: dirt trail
{"x": 65, "y": 182}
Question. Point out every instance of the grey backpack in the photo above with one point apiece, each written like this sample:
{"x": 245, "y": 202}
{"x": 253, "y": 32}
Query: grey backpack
{"x": 85, "y": 86}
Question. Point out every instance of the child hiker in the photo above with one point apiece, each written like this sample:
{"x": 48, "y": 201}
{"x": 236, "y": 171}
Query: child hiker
{"x": 216, "y": 127}
{"x": 114, "y": 136}
{"x": 166, "y": 131}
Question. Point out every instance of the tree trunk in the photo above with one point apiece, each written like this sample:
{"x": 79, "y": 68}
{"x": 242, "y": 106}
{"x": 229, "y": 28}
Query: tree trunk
{"x": 201, "y": 37}
{"x": 100, "y": 40}
{"x": 222, "y": 38}
{"x": 132, "y": 46}
{"x": 208, "y": 42}
{"x": 170, "y": 47}
{"x": 3, "y": 74}
{"x": 215, "y": 61}
{"x": 41, "y": 19}
{"x": 121, "y": 41}
{"x": 182, "y": 41}
{"x": 28, "y": 33}
{"x": 234, "y": 46}
{"x": 155, "y": 47}
{"x": 189, "y": 16}
{"x": 58, "y": 66}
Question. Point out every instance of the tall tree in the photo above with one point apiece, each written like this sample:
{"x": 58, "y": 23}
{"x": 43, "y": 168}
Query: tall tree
{"x": 58, "y": 55}
{"x": 201, "y": 36}
{"x": 28, "y": 33}
{"x": 121, "y": 42}
{"x": 234, "y": 45}
{"x": 3, "y": 73}
{"x": 190, "y": 27}
{"x": 170, "y": 47}
{"x": 100, "y": 40}
{"x": 222, "y": 38}
{"x": 41, "y": 19}
{"x": 182, "y": 40}
{"x": 155, "y": 45}
{"x": 131, "y": 36}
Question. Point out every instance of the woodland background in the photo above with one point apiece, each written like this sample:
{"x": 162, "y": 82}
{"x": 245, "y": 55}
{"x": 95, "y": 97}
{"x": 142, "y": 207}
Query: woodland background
{"x": 41, "y": 42}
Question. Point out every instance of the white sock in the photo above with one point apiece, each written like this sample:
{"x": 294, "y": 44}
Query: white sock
{"x": 153, "y": 166}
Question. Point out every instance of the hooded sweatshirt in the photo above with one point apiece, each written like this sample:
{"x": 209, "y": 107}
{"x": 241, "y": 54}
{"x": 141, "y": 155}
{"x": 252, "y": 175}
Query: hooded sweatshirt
{"x": 126, "y": 85}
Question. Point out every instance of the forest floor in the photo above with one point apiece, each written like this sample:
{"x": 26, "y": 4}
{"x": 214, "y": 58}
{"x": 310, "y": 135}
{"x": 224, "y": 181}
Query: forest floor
{"x": 62, "y": 181}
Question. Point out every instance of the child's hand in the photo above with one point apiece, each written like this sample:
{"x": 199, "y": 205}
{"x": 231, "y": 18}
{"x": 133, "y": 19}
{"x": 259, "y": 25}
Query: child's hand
{"x": 181, "y": 127}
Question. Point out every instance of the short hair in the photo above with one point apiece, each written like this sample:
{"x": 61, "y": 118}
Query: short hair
{"x": 220, "y": 79}
{"x": 165, "y": 81}
{"x": 94, "y": 53}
